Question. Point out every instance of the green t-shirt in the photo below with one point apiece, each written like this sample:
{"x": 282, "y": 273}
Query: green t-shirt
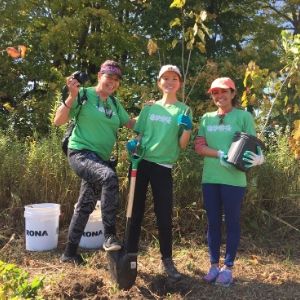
{"x": 160, "y": 132}
{"x": 94, "y": 130}
{"x": 220, "y": 137}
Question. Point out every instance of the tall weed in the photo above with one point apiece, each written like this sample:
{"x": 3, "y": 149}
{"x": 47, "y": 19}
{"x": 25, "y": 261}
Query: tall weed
{"x": 34, "y": 171}
{"x": 273, "y": 197}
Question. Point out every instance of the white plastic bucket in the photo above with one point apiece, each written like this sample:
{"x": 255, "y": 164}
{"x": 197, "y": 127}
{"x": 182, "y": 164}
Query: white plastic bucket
{"x": 93, "y": 235}
{"x": 41, "y": 226}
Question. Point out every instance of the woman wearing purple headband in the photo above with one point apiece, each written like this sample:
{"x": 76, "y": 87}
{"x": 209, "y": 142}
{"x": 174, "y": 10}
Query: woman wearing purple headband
{"x": 89, "y": 150}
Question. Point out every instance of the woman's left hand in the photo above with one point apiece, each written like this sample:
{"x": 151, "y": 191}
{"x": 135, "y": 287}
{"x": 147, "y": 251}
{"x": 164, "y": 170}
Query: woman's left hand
{"x": 185, "y": 121}
{"x": 252, "y": 159}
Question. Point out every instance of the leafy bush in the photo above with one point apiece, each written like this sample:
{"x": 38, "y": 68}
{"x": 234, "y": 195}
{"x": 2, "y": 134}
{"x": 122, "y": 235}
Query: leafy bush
{"x": 273, "y": 191}
{"x": 15, "y": 284}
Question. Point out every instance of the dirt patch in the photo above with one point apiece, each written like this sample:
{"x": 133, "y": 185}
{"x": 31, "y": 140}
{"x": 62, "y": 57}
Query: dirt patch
{"x": 77, "y": 285}
{"x": 258, "y": 273}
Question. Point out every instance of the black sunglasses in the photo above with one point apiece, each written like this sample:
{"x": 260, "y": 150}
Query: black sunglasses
{"x": 221, "y": 119}
{"x": 107, "y": 110}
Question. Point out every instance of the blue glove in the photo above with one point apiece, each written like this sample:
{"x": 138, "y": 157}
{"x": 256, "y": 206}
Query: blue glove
{"x": 185, "y": 121}
{"x": 131, "y": 145}
{"x": 223, "y": 159}
{"x": 252, "y": 159}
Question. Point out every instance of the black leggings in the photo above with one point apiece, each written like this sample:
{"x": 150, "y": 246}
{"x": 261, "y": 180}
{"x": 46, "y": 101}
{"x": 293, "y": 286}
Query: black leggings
{"x": 161, "y": 182}
{"x": 99, "y": 181}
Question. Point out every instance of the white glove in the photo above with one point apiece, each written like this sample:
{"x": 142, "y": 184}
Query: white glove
{"x": 223, "y": 159}
{"x": 252, "y": 159}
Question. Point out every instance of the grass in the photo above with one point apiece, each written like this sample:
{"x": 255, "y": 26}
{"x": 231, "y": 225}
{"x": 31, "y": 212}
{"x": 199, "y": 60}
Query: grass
{"x": 260, "y": 273}
{"x": 267, "y": 266}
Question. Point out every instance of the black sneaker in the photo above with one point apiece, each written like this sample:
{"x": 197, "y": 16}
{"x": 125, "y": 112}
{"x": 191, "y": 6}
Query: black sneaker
{"x": 111, "y": 243}
{"x": 170, "y": 269}
{"x": 75, "y": 259}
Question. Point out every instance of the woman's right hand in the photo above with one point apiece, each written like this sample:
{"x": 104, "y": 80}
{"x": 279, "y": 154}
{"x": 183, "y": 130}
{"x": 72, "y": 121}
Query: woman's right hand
{"x": 62, "y": 113}
{"x": 132, "y": 144}
{"x": 73, "y": 86}
{"x": 223, "y": 159}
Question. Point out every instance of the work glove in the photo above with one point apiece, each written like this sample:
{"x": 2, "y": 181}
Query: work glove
{"x": 131, "y": 145}
{"x": 184, "y": 121}
{"x": 223, "y": 159}
{"x": 252, "y": 159}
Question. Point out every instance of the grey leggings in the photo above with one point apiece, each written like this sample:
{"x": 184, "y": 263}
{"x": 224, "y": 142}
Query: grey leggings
{"x": 99, "y": 181}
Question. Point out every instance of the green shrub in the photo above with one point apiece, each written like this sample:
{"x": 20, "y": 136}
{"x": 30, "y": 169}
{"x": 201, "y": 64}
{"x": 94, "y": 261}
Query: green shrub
{"x": 15, "y": 284}
{"x": 273, "y": 192}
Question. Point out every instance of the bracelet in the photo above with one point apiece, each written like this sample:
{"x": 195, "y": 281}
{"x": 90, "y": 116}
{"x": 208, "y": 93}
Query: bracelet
{"x": 66, "y": 105}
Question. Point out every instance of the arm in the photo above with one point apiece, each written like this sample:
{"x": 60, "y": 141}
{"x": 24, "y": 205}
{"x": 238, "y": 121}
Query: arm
{"x": 184, "y": 139}
{"x": 202, "y": 149}
{"x": 62, "y": 113}
{"x": 185, "y": 122}
{"x": 200, "y": 143}
{"x": 130, "y": 123}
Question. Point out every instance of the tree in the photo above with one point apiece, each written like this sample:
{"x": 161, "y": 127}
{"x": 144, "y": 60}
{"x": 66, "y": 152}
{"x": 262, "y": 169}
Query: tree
{"x": 64, "y": 36}
{"x": 61, "y": 37}
{"x": 276, "y": 94}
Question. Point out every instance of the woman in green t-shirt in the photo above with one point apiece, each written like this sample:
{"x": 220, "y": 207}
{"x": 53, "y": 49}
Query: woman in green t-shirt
{"x": 89, "y": 150}
{"x": 223, "y": 185}
{"x": 164, "y": 129}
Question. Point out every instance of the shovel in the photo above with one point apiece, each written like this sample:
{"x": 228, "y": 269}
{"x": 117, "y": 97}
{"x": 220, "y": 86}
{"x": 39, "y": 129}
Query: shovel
{"x": 122, "y": 264}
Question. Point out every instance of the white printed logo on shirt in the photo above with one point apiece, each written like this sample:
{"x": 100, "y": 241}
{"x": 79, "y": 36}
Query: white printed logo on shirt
{"x": 101, "y": 109}
{"x": 162, "y": 119}
{"x": 221, "y": 128}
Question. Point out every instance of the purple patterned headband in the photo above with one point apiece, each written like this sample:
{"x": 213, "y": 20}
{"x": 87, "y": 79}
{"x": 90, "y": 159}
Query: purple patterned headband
{"x": 111, "y": 70}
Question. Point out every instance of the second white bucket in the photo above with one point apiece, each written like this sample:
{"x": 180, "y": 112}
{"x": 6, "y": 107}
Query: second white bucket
{"x": 41, "y": 226}
{"x": 93, "y": 235}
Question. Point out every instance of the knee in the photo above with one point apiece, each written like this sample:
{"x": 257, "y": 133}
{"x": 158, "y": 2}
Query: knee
{"x": 137, "y": 217}
{"x": 233, "y": 227}
{"x": 165, "y": 224}
{"x": 214, "y": 225}
{"x": 85, "y": 208}
{"x": 111, "y": 178}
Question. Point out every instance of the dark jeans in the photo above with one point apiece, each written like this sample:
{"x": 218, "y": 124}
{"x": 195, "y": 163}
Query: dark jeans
{"x": 216, "y": 198}
{"x": 99, "y": 181}
{"x": 161, "y": 182}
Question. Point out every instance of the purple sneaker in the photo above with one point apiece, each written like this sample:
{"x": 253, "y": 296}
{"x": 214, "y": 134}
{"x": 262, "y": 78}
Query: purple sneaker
{"x": 224, "y": 278}
{"x": 212, "y": 274}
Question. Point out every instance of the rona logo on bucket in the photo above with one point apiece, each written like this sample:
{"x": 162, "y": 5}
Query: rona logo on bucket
{"x": 92, "y": 233}
{"x": 41, "y": 226}
{"x": 36, "y": 233}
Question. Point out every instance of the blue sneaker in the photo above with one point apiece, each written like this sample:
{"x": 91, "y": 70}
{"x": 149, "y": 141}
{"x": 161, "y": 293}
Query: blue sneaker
{"x": 224, "y": 278}
{"x": 212, "y": 274}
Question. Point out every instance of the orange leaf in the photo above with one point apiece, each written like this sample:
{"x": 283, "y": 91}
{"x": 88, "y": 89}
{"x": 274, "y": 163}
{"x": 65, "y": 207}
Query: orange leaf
{"x": 22, "y": 49}
{"x": 13, "y": 52}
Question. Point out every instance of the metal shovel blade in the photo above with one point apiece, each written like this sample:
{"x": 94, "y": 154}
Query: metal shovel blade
{"x": 123, "y": 268}
{"x": 123, "y": 265}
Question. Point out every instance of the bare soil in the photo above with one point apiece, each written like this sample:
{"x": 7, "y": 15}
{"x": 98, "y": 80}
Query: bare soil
{"x": 268, "y": 270}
